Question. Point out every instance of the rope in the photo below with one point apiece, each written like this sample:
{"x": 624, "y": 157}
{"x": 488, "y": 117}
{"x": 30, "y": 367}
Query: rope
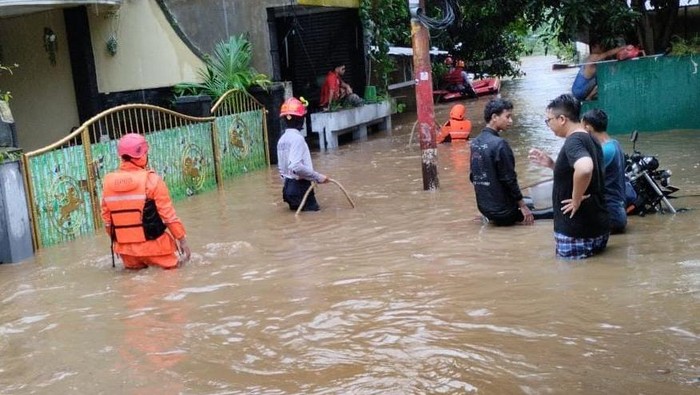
{"x": 313, "y": 186}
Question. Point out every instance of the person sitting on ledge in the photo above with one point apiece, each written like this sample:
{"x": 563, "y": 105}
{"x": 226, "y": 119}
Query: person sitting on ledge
{"x": 335, "y": 90}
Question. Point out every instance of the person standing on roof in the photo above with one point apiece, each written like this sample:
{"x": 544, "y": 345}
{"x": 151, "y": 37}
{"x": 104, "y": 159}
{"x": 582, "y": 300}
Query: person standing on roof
{"x": 138, "y": 212}
{"x": 294, "y": 158}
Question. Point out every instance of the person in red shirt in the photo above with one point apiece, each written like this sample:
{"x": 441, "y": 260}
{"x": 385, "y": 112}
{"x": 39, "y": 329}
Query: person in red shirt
{"x": 335, "y": 90}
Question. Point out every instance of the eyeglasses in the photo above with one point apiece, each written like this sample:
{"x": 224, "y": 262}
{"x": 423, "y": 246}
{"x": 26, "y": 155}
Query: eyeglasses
{"x": 547, "y": 120}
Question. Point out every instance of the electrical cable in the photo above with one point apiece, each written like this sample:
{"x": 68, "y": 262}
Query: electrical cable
{"x": 448, "y": 11}
{"x": 295, "y": 25}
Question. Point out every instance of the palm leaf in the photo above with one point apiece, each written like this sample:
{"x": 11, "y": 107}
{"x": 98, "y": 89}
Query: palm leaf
{"x": 228, "y": 67}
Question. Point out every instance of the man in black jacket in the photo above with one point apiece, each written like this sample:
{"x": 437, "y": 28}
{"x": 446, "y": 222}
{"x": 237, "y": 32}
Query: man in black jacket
{"x": 498, "y": 196}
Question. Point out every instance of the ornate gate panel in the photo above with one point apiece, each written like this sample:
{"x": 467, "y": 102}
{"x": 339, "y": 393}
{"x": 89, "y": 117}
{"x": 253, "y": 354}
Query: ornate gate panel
{"x": 241, "y": 133}
{"x": 65, "y": 179}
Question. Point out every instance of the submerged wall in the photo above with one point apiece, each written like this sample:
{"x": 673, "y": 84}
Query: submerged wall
{"x": 650, "y": 94}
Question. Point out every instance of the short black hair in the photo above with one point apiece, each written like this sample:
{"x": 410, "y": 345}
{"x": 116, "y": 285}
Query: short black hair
{"x": 566, "y": 105}
{"x": 496, "y": 106}
{"x": 293, "y": 122}
{"x": 597, "y": 118}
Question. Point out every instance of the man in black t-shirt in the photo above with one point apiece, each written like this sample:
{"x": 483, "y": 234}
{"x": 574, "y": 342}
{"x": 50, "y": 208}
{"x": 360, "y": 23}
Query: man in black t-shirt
{"x": 581, "y": 224}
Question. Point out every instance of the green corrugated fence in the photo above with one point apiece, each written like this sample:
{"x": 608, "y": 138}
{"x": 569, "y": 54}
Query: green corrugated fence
{"x": 649, "y": 93}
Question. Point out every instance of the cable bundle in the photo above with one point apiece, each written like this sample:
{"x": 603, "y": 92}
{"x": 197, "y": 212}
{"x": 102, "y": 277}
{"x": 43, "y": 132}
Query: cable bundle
{"x": 448, "y": 18}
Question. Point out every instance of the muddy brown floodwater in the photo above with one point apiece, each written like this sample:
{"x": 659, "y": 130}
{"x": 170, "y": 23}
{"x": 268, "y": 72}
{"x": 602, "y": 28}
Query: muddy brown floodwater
{"x": 405, "y": 294}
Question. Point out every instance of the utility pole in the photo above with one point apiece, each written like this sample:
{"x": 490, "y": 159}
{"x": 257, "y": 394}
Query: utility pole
{"x": 424, "y": 96}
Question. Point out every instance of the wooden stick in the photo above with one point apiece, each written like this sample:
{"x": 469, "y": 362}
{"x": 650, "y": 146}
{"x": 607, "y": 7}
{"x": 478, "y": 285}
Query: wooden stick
{"x": 538, "y": 183}
{"x": 344, "y": 191}
{"x": 313, "y": 185}
{"x": 306, "y": 196}
{"x": 413, "y": 130}
{"x": 570, "y": 66}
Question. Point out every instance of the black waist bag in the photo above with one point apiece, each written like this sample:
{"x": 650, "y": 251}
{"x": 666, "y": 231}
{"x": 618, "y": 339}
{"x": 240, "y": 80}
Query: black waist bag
{"x": 153, "y": 226}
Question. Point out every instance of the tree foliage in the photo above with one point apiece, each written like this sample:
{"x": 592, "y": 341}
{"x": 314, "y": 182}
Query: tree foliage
{"x": 386, "y": 23}
{"x": 490, "y": 34}
{"x": 648, "y": 23}
{"x": 487, "y": 34}
{"x": 604, "y": 21}
{"x": 6, "y": 95}
{"x": 655, "y": 27}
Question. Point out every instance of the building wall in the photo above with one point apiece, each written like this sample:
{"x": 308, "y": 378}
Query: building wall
{"x": 150, "y": 54}
{"x": 43, "y": 103}
{"x": 224, "y": 19}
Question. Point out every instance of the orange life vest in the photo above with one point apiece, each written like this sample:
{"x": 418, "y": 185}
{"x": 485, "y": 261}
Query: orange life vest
{"x": 455, "y": 129}
{"x": 134, "y": 218}
{"x": 454, "y": 77}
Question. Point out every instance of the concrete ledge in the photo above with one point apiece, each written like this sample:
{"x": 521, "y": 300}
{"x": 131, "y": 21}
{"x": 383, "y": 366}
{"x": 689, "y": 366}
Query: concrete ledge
{"x": 329, "y": 125}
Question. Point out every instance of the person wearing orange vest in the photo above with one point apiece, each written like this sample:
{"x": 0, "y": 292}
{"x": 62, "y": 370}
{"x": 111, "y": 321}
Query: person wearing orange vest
{"x": 456, "y": 127}
{"x": 458, "y": 81}
{"x": 138, "y": 212}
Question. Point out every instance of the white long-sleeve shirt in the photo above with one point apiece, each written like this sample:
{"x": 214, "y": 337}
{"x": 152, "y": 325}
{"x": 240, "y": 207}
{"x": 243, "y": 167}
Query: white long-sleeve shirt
{"x": 294, "y": 158}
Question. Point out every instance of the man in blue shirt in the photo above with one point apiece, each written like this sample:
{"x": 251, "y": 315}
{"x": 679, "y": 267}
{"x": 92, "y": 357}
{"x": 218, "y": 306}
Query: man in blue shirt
{"x": 596, "y": 123}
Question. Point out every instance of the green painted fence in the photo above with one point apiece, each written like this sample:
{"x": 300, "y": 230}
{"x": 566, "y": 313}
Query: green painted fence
{"x": 649, "y": 93}
{"x": 192, "y": 155}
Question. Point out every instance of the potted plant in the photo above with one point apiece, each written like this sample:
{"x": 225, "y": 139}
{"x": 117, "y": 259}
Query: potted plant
{"x": 225, "y": 69}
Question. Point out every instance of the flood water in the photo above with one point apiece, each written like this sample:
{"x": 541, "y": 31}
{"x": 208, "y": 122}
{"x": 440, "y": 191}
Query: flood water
{"x": 404, "y": 294}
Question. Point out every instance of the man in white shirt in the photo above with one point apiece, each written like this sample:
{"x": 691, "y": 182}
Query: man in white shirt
{"x": 294, "y": 158}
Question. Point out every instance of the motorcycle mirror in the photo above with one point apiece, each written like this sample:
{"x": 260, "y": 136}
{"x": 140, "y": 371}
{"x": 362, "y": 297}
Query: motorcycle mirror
{"x": 633, "y": 139}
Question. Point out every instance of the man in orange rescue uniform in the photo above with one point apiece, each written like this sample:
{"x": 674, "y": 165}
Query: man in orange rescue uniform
{"x": 137, "y": 211}
{"x": 457, "y": 127}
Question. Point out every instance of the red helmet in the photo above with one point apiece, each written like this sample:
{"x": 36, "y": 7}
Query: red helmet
{"x": 448, "y": 60}
{"x": 132, "y": 144}
{"x": 630, "y": 51}
{"x": 294, "y": 106}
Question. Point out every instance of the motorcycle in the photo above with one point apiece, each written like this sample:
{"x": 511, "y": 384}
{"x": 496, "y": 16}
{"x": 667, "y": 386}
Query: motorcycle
{"x": 652, "y": 188}
{"x": 651, "y": 184}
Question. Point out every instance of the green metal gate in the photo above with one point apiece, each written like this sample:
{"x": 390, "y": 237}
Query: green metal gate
{"x": 192, "y": 155}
